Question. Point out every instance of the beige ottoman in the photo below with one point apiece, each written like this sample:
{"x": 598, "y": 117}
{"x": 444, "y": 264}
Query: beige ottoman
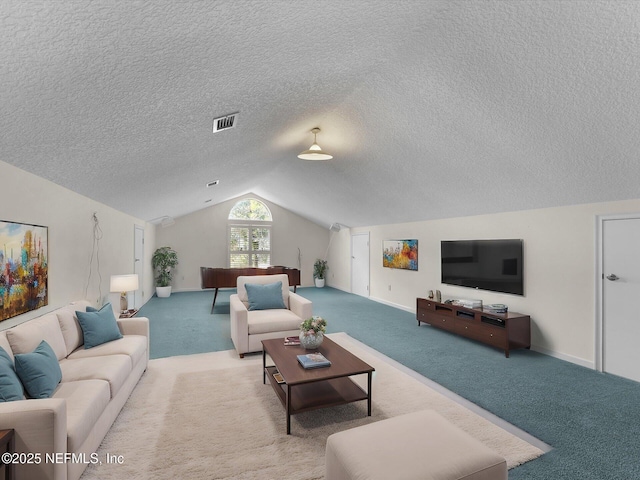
{"x": 420, "y": 445}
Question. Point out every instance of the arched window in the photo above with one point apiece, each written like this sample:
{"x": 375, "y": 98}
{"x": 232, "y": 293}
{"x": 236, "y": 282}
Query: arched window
{"x": 250, "y": 209}
{"x": 249, "y": 234}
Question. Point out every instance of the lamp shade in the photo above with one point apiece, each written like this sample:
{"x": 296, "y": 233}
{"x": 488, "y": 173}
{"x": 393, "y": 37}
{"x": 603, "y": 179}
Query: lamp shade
{"x": 315, "y": 152}
{"x": 124, "y": 283}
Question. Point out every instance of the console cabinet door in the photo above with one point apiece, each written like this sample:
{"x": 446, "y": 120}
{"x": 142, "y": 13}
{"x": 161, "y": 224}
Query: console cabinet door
{"x": 444, "y": 322}
{"x": 423, "y": 315}
{"x": 495, "y": 336}
{"x": 468, "y": 329}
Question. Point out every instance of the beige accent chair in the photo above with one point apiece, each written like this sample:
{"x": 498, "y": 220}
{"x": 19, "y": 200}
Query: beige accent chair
{"x": 250, "y": 327}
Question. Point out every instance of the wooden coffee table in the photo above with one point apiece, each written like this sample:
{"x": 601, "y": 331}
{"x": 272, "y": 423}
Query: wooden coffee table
{"x": 310, "y": 389}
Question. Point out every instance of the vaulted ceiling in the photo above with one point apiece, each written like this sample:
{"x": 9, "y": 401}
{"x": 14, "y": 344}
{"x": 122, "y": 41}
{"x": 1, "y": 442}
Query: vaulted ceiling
{"x": 432, "y": 109}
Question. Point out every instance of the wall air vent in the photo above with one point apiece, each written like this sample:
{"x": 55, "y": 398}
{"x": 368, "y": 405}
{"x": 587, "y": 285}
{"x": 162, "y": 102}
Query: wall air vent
{"x": 225, "y": 123}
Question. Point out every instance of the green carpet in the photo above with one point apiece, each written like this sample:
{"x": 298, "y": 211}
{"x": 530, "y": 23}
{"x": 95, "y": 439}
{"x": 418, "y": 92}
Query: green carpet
{"x": 591, "y": 419}
{"x": 182, "y": 324}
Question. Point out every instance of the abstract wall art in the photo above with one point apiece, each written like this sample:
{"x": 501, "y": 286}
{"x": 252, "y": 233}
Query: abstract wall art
{"x": 400, "y": 254}
{"x": 23, "y": 268}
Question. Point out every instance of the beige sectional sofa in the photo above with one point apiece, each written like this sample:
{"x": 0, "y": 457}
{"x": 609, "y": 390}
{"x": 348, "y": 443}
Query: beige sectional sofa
{"x": 96, "y": 383}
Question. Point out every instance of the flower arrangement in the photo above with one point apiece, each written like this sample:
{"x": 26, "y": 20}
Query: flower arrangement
{"x": 313, "y": 326}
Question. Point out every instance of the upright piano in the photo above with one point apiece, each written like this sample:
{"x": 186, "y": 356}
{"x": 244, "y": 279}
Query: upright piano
{"x": 227, "y": 277}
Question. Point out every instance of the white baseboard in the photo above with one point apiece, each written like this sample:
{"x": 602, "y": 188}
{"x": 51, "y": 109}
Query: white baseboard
{"x": 563, "y": 356}
{"x": 379, "y": 300}
{"x": 394, "y": 305}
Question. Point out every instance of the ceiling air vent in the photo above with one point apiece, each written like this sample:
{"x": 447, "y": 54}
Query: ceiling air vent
{"x": 224, "y": 123}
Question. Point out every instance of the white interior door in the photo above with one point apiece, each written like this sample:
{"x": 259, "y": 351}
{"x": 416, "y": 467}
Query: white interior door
{"x": 620, "y": 293}
{"x": 138, "y": 264}
{"x": 360, "y": 264}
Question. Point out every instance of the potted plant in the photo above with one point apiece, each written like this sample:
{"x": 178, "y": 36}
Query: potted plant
{"x": 164, "y": 260}
{"x": 319, "y": 271}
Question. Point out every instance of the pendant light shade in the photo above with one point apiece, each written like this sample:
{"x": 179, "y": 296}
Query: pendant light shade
{"x": 315, "y": 152}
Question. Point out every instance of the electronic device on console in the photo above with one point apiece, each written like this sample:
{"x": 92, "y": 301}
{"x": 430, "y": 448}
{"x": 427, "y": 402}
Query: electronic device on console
{"x": 495, "y": 265}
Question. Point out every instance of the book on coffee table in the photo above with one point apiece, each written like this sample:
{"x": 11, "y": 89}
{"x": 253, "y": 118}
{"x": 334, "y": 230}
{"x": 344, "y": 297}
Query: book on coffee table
{"x": 313, "y": 360}
{"x": 292, "y": 340}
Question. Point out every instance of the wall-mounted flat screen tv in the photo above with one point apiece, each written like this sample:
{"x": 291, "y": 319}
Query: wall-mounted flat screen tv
{"x": 494, "y": 265}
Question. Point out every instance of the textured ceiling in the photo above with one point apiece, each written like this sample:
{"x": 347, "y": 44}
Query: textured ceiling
{"x": 432, "y": 109}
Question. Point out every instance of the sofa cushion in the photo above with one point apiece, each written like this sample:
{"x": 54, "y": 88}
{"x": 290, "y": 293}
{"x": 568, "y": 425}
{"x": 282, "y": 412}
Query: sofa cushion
{"x": 86, "y": 401}
{"x": 266, "y": 321}
{"x": 261, "y": 280}
{"x": 265, "y": 297}
{"x": 114, "y": 369}
{"x": 39, "y": 371}
{"x": 98, "y": 327}
{"x": 135, "y": 346}
{"x": 10, "y": 385}
{"x": 5, "y": 345}
{"x": 25, "y": 337}
{"x": 70, "y": 327}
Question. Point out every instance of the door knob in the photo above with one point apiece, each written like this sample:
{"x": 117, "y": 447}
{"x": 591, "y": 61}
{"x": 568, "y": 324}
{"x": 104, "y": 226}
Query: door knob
{"x": 613, "y": 277}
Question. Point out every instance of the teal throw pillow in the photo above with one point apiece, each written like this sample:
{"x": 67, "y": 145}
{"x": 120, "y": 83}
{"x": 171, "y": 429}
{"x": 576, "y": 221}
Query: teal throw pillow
{"x": 265, "y": 297}
{"x": 10, "y": 386}
{"x": 99, "y": 326}
{"x": 39, "y": 371}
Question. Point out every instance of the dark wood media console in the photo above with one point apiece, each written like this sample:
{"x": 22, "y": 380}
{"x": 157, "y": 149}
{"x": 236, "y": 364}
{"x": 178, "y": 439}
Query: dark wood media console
{"x": 506, "y": 331}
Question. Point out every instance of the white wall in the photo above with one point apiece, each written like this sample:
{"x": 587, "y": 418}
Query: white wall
{"x": 559, "y": 269}
{"x": 200, "y": 240}
{"x": 28, "y": 198}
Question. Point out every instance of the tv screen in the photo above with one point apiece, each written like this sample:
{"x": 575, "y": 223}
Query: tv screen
{"x": 494, "y": 265}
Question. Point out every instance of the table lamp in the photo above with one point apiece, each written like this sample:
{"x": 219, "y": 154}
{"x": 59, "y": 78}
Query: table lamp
{"x": 124, "y": 284}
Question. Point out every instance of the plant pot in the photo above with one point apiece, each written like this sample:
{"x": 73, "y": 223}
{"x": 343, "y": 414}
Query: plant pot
{"x": 163, "y": 292}
{"x": 319, "y": 282}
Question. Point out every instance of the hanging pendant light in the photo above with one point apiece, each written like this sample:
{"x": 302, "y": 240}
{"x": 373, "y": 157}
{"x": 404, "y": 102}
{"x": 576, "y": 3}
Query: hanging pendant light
{"x": 315, "y": 152}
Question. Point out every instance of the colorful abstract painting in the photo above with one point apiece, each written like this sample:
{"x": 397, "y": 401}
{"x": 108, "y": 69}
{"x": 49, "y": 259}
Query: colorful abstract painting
{"x": 23, "y": 268}
{"x": 400, "y": 254}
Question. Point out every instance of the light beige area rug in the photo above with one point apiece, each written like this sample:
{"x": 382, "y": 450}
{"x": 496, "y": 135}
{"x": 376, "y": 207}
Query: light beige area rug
{"x": 208, "y": 416}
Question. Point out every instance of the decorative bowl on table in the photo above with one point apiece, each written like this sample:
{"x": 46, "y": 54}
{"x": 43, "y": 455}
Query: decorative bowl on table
{"x": 312, "y": 332}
